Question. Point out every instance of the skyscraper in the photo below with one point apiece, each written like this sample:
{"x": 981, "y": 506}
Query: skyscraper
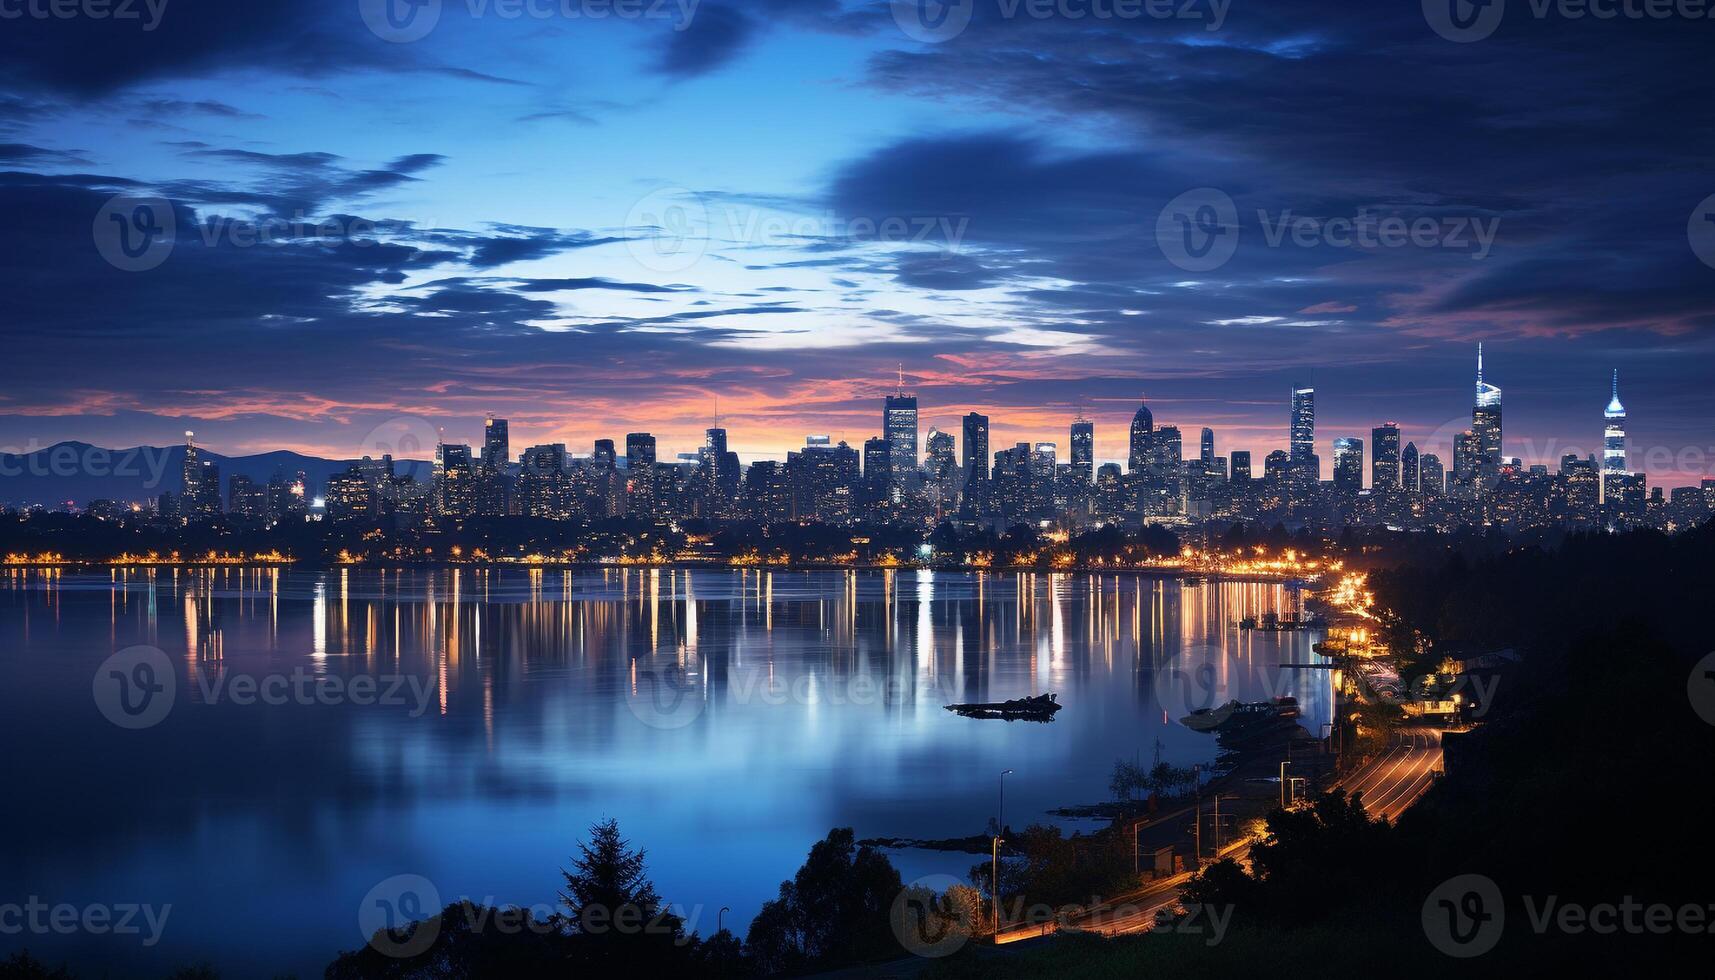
{"x": 1432, "y": 477}
{"x": 639, "y": 450}
{"x": 899, "y": 428}
{"x": 1613, "y": 441}
{"x": 1303, "y": 435}
{"x": 877, "y": 467}
{"x": 455, "y": 481}
{"x": 1241, "y": 465}
{"x": 1348, "y": 465}
{"x": 492, "y": 489}
{"x": 496, "y": 444}
{"x": 1207, "y": 445}
{"x": 976, "y": 447}
{"x": 1486, "y": 430}
{"x": 1384, "y": 456}
{"x": 1409, "y": 470}
{"x": 1142, "y": 438}
{"x": 1084, "y": 450}
{"x": 193, "y": 494}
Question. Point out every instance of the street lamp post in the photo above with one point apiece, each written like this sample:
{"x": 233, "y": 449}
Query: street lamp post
{"x": 1000, "y": 819}
{"x": 1136, "y": 869}
{"x": 1283, "y": 766}
{"x": 720, "y": 918}
{"x": 994, "y": 888}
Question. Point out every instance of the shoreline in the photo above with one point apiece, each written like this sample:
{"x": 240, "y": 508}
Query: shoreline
{"x": 1305, "y": 579}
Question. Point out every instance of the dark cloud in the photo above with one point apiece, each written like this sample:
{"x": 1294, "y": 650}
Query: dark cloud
{"x": 24, "y": 153}
{"x": 714, "y": 37}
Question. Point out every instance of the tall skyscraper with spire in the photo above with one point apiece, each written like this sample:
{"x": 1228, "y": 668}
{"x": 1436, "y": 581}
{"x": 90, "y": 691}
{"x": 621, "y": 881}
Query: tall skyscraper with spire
{"x": 899, "y": 428}
{"x": 1613, "y": 440}
{"x": 1303, "y": 434}
{"x": 1084, "y": 449}
{"x": 1142, "y": 439}
{"x": 1486, "y": 429}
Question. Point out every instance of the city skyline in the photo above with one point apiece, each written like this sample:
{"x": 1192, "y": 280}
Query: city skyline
{"x": 1105, "y": 447}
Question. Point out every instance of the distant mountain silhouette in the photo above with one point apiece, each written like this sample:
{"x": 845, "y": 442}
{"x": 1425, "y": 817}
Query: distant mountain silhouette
{"x": 80, "y": 472}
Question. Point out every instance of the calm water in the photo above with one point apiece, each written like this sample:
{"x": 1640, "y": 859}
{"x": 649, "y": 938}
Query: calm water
{"x": 726, "y": 719}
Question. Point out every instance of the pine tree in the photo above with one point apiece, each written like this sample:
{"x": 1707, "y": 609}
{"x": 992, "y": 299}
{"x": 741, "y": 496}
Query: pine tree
{"x": 612, "y": 909}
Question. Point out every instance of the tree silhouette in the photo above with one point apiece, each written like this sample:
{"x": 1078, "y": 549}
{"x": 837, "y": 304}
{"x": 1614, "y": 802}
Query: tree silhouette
{"x": 612, "y": 910}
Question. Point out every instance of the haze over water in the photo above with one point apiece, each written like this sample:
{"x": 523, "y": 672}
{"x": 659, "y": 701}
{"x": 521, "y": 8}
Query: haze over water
{"x": 727, "y": 719}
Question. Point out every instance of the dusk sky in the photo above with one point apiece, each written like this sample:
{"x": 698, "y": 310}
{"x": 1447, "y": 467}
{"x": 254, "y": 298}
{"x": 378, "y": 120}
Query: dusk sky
{"x": 601, "y": 225}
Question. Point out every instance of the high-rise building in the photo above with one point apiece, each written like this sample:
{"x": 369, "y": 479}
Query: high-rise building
{"x": 544, "y": 490}
{"x": 1241, "y": 465}
{"x": 899, "y": 428}
{"x": 455, "y": 481}
{"x": 1206, "y": 445}
{"x": 201, "y": 498}
{"x": 1466, "y": 464}
{"x": 1486, "y": 430}
{"x": 1432, "y": 477}
{"x": 1142, "y": 439}
{"x": 496, "y": 444}
{"x": 1348, "y": 465}
{"x": 1613, "y": 441}
{"x": 191, "y": 472}
{"x": 1303, "y": 434}
{"x": 942, "y": 465}
{"x": 1384, "y": 456}
{"x": 1084, "y": 450}
{"x": 245, "y": 498}
{"x": 639, "y": 450}
{"x": 1408, "y": 468}
{"x": 976, "y": 447}
{"x": 605, "y": 456}
{"x": 877, "y": 467}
